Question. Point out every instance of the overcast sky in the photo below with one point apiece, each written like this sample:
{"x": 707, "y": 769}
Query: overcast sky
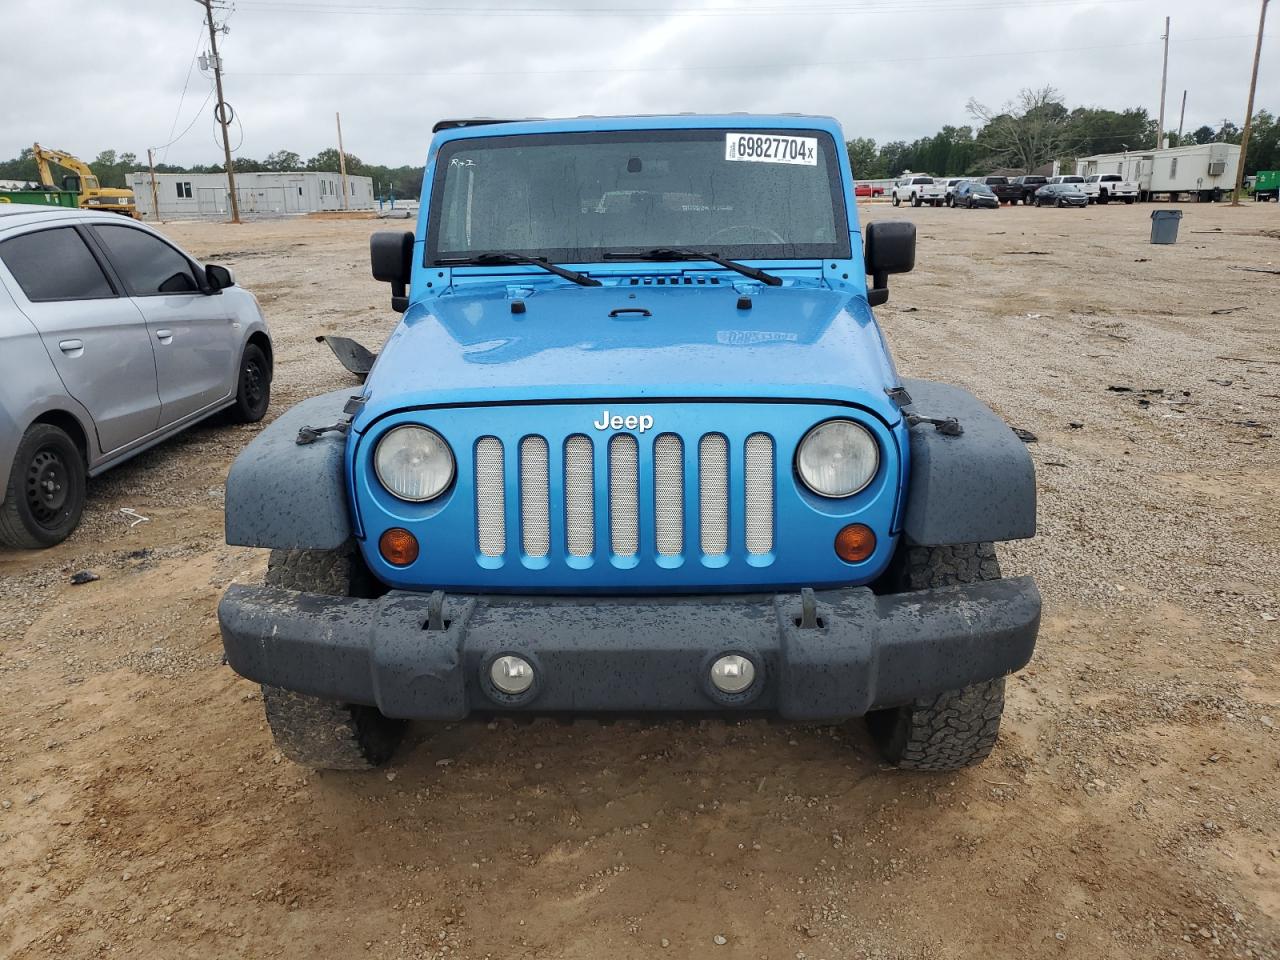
{"x": 112, "y": 72}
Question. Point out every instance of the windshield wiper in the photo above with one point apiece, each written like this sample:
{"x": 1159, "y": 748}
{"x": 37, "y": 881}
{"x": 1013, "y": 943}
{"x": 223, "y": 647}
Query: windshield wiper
{"x": 503, "y": 259}
{"x": 674, "y": 253}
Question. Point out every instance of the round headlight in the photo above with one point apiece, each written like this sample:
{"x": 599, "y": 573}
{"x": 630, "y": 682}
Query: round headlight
{"x": 837, "y": 458}
{"x": 414, "y": 463}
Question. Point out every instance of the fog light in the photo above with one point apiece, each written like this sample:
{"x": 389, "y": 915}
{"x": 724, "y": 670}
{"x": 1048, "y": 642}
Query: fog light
{"x": 512, "y": 675}
{"x": 398, "y": 546}
{"x": 732, "y": 673}
{"x": 855, "y": 543}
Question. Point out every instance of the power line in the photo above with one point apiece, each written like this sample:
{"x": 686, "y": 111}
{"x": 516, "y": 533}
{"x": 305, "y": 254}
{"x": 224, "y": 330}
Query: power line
{"x": 165, "y": 146}
{"x": 751, "y": 66}
{"x": 183, "y": 96}
{"x": 804, "y": 9}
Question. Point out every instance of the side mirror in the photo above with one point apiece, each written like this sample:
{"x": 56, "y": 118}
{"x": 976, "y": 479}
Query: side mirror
{"x": 890, "y": 248}
{"x": 391, "y": 253}
{"x": 218, "y": 278}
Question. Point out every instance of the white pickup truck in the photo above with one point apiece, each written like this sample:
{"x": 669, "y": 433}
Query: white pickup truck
{"x": 1105, "y": 187}
{"x": 916, "y": 189}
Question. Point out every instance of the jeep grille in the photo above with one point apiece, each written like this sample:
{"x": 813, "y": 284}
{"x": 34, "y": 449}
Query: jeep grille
{"x": 662, "y": 483}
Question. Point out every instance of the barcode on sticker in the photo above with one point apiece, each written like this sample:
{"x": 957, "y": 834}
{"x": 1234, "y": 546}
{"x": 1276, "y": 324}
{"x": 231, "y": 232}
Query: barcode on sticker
{"x": 771, "y": 148}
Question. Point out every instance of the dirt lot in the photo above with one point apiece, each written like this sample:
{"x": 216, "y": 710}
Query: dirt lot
{"x": 1132, "y": 808}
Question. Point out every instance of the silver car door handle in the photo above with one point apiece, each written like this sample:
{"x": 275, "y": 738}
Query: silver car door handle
{"x": 70, "y": 346}
{"x": 164, "y": 336}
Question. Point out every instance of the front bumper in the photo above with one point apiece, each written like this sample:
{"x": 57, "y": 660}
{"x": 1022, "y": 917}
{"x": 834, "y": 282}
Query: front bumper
{"x": 415, "y": 655}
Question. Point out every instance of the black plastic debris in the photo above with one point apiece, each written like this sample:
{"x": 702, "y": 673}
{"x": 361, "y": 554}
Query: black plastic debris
{"x": 83, "y": 577}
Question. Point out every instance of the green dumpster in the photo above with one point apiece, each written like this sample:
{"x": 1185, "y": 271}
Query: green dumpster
{"x": 43, "y": 198}
{"x": 1267, "y": 185}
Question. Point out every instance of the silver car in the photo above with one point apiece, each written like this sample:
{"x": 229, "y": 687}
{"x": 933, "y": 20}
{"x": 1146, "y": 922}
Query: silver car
{"x": 111, "y": 340}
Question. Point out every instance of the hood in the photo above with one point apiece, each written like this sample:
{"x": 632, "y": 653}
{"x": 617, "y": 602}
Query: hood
{"x": 633, "y": 340}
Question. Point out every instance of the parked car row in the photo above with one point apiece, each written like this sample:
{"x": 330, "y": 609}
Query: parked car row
{"x": 921, "y": 189}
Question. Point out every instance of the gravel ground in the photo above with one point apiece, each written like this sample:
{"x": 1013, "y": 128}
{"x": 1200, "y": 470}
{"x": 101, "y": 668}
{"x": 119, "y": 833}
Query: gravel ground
{"x": 1130, "y": 809}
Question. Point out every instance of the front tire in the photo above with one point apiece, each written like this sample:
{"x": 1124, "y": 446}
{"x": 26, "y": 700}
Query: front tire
{"x": 313, "y": 731}
{"x": 46, "y": 491}
{"x": 895, "y": 201}
{"x": 956, "y": 728}
{"x": 253, "y": 386}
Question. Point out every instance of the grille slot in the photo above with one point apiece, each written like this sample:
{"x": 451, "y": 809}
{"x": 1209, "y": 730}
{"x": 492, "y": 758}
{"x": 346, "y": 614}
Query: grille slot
{"x": 759, "y": 493}
{"x": 624, "y": 495}
{"x": 668, "y": 494}
{"x": 579, "y": 506}
{"x": 535, "y": 497}
{"x": 713, "y": 494}
{"x": 491, "y": 520}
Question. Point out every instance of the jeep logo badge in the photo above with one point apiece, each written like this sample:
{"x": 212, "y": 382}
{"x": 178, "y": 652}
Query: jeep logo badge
{"x": 618, "y": 422}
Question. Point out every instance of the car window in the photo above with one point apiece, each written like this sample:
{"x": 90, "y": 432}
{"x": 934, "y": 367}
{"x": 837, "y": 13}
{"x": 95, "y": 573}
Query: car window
{"x": 55, "y": 265}
{"x": 148, "y": 265}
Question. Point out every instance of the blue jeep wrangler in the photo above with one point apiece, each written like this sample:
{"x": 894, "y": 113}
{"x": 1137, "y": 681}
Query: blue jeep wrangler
{"x": 637, "y": 445}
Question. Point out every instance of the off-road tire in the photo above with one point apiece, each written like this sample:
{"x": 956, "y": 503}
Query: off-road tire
{"x": 956, "y": 728}
{"x": 253, "y": 385}
{"x": 315, "y": 732}
{"x": 31, "y": 517}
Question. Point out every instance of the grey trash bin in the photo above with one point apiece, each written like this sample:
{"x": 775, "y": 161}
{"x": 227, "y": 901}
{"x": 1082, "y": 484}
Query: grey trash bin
{"x": 1164, "y": 226}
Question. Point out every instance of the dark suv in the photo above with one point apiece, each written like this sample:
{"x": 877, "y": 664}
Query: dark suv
{"x": 1027, "y": 186}
{"x": 1005, "y": 191}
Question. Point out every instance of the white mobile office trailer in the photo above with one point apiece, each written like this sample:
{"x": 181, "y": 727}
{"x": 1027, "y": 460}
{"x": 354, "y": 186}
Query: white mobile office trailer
{"x": 1205, "y": 170}
{"x": 190, "y": 195}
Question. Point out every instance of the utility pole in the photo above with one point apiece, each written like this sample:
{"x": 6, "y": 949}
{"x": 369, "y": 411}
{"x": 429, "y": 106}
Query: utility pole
{"x": 1182, "y": 117}
{"x": 1164, "y": 84}
{"x": 1248, "y": 113}
{"x": 155, "y": 198}
{"x": 342, "y": 164}
{"x": 221, "y": 110}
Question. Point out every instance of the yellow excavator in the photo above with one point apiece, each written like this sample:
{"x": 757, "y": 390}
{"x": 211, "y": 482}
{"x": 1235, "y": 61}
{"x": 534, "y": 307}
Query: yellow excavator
{"x": 82, "y": 180}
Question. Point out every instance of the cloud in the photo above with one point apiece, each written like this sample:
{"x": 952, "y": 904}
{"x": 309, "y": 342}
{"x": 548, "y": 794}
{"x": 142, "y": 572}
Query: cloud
{"x": 393, "y": 67}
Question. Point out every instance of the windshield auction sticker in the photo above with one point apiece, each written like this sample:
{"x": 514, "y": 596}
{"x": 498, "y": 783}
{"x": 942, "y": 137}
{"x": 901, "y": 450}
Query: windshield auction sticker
{"x": 771, "y": 148}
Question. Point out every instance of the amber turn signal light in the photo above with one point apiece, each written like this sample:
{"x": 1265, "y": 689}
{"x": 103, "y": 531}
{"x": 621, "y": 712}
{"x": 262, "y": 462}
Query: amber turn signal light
{"x": 398, "y": 547}
{"x": 855, "y": 543}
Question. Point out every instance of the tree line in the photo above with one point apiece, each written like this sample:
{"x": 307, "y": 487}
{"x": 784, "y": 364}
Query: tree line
{"x": 1033, "y": 130}
{"x": 112, "y": 169}
{"x": 1037, "y": 128}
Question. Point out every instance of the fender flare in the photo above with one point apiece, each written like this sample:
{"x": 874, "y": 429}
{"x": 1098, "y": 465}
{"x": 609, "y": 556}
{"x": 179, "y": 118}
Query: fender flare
{"x": 283, "y": 495}
{"x": 977, "y": 487}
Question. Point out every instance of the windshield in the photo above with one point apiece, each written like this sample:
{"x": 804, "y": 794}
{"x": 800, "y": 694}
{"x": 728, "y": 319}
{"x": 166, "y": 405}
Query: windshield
{"x": 578, "y": 197}
{"x": 981, "y": 188}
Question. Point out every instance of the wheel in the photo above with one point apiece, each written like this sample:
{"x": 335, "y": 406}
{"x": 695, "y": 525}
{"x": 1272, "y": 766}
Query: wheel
{"x": 45, "y": 495}
{"x": 253, "y": 393}
{"x": 1058, "y": 202}
{"x": 1037, "y": 201}
{"x": 956, "y": 728}
{"x": 915, "y": 200}
{"x": 895, "y": 201}
{"x": 1128, "y": 200}
{"x": 315, "y": 732}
